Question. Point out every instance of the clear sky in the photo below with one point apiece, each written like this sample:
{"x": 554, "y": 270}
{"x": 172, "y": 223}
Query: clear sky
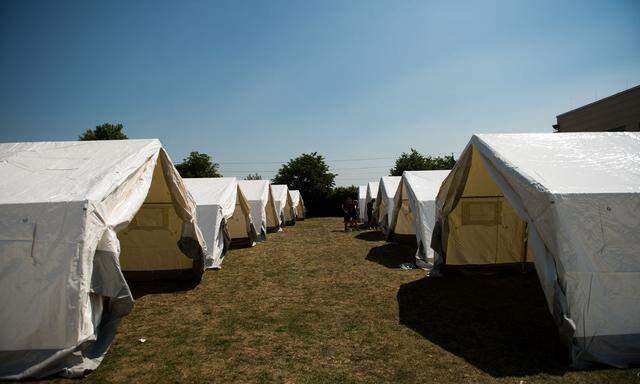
{"x": 259, "y": 82}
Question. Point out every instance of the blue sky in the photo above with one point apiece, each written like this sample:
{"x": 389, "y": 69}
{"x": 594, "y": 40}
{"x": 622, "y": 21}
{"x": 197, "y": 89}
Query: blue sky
{"x": 259, "y": 82}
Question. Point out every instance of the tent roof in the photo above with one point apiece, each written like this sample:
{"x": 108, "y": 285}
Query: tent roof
{"x": 279, "y": 192}
{"x": 68, "y": 170}
{"x": 295, "y": 197}
{"x": 389, "y": 185}
{"x": 362, "y": 192}
{"x": 254, "y": 189}
{"x": 598, "y": 162}
{"x": 425, "y": 184}
{"x": 211, "y": 190}
{"x": 372, "y": 188}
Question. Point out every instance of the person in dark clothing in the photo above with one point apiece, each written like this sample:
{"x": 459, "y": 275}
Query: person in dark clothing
{"x": 370, "y": 220}
{"x": 350, "y": 211}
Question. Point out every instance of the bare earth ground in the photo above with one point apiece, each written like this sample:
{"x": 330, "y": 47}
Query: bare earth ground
{"x": 316, "y": 305}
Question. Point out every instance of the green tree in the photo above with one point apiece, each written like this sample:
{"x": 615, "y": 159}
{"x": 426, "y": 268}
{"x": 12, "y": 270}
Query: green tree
{"x": 415, "y": 161}
{"x": 198, "y": 165}
{"x": 253, "y": 176}
{"x": 104, "y": 131}
{"x": 309, "y": 174}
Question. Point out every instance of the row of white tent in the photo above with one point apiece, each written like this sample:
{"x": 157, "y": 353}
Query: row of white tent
{"x": 76, "y": 217}
{"x": 232, "y": 211}
{"x": 568, "y": 203}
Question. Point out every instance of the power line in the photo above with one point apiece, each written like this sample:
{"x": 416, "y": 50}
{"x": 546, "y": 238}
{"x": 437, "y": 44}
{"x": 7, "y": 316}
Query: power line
{"x": 326, "y": 160}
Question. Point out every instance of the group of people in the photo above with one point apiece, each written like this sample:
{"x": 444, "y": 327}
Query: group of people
{"x": 350, "y": 210}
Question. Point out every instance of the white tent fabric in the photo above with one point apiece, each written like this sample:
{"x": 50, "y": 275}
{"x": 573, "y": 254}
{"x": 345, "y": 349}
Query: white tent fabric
{"x": 414, "y": 210}
{"x": 73, "y": 215}
{"x": 218, "y": 201}
{"x": 260, "y": 199}
{"x": 283, "y": 203}
{"x": 362, "y": 203}
{"x": 383, "y": 208}
{"x": 579, "y": 195}
{"x": 298, "y": 204}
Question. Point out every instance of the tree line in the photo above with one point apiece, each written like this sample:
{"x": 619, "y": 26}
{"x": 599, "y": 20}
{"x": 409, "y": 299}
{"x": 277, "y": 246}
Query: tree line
{"x": 308, "y": 173}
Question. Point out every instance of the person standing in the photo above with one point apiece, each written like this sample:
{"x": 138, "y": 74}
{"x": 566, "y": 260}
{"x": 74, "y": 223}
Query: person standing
{"x": 348, "y": 209}
{"x": 370, "y": 219}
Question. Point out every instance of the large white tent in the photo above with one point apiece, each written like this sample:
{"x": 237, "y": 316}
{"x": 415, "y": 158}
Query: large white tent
{"x": 263, "y": 211}
{"x": 571, "y": 203}
{"x": 73, "y": 216}
{"x": 283, "y": 203}
{"x": 383, "y": 208}
{"x": 298, "y": 204}
{"x": 223, "y": 215}
{"x": 372, "y": 192}
{"x": 362, "y": 203}
{"x": 414, "y": 211}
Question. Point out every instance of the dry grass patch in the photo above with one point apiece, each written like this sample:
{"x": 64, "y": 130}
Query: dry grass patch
{"x": 316, "y": 305}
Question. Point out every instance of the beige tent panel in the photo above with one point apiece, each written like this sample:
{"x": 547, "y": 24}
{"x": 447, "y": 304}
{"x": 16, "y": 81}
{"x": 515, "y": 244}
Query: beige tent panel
{"x": 149, "y": 243}
{"x": 483, "y": 227}
{"x": 273, "y": 222}
{"x": 239, "y": 225}
{"x": 404, "y": 220}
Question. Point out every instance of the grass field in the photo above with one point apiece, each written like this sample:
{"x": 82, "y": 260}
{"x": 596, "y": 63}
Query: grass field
{"x": 316, "y": 305}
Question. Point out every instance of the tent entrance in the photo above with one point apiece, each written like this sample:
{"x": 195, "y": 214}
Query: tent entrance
{"x": 239, "y": 226}
{"x": 483, "y": 227}
{"x": 404, "y": 230}
{"x": 149, "y": 244}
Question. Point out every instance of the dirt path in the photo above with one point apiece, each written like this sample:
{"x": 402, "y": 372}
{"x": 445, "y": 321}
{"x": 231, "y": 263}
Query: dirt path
{"x": 315, "y": 305}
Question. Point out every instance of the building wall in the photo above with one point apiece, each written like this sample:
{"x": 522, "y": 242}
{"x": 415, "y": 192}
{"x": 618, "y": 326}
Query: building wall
{"x": 620, "y": 112}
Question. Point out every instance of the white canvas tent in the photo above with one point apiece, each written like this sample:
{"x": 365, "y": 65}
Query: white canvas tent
{"x": 362, "y": 203}
{"x": 414, "y": 211}
{"x": 571, "y": 203}
{"x": 298, "y": 204}
{"x": 283, "y": 203}
{"x": 73, "y": 216}
{"x": 223, "y": 215}
{"x": 372, "y": 192}
{"x": 263, "y": 211}
{"x": 383, "y": 208}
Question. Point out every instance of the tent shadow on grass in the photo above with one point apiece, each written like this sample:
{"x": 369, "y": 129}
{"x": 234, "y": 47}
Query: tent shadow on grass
{"x": 498, "y": 323}
{"x": 371, "y": 236}
{"x": 143, "y": 288}
{"x": 391, "y": 255}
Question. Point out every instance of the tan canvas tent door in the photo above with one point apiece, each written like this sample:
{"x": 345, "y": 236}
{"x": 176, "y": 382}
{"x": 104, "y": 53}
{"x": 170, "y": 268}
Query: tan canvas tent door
{"x": 71, "y": 213}
{"x": 569, "y": 202}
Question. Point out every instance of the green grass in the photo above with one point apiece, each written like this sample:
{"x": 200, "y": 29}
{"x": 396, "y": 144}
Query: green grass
{"x": 316, "y": 305}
